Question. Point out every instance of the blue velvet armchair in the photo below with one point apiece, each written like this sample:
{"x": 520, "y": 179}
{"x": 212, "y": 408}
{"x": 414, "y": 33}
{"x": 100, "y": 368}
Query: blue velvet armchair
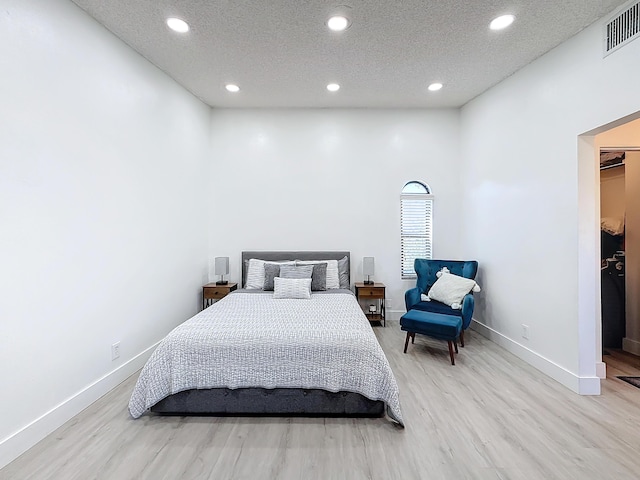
{"x": 426, "y": 271}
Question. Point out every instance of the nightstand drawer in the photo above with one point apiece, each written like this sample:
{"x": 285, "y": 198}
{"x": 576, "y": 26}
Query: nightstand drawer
{"x": 215, "y": 292}
{"x": 371, "y": 292}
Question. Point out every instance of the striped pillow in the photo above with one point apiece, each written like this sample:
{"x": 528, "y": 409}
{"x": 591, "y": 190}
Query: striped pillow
{"x": 291, "y": 287}
{"x": 296, "y": 271}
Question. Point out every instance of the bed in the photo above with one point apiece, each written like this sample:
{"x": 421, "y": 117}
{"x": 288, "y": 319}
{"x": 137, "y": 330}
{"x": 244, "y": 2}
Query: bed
{"x": 251, "y": 353}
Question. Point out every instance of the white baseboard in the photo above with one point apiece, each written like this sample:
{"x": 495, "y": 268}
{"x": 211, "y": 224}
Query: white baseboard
{"x": 581, "y": 385}
{"x": 601, "y": 370}
{"x": 631, "y": 346}
{"x": 19, "y": 442}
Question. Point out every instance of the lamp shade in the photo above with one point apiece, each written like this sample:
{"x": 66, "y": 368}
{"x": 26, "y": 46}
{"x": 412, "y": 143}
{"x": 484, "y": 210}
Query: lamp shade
{"x": 222, "y": 265}
{"x": 368, "y": 265}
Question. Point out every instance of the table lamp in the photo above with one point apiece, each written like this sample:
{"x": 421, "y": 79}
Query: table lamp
{"x": 222, "y": 269}
{"x": 368, "y": 269}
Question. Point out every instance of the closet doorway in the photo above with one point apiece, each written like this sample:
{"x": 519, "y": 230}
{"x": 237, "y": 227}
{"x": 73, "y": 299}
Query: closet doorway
{"x": 620, "y": 248}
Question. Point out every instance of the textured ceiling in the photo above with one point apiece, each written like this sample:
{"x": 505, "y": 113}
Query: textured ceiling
{"x": 281, "y": 54}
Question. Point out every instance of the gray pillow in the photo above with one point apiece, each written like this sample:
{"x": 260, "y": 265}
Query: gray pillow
{"x": 296, "y": 271}
{"x": 271, "y": 271}
{"x": 343, "y": 272}
{"x": 319, "y": 277}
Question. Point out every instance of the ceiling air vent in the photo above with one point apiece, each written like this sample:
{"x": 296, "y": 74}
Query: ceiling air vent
{"x": 622, "y": 28}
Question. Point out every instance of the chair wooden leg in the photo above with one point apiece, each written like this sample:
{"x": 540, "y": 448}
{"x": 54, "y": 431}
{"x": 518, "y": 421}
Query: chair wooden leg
{"x": 462, "y": 338}
{"x": 413, "y": 338}
{"x": 453, "y": 360}
{"x": 455, "y": 344}
{"x": 406, "y": 342}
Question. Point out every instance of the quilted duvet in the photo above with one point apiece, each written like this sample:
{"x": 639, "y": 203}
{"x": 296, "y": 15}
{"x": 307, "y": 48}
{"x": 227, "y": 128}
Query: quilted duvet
{"x": 253, "y": 340}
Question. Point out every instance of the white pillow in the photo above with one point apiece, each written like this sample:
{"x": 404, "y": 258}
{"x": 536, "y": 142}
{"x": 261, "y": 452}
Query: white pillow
{"x": 255, "y": 273}
{"x": 450, "y": 289}
{"x": 333, "y": 274}
{"x": 291, "y": 287}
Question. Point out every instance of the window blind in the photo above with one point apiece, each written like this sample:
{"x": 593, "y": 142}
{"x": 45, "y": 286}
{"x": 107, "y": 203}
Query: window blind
{"x": 415, "y": 230}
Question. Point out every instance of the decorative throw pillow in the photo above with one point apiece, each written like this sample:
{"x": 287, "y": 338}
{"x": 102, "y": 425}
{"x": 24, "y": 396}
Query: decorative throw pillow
{"x": 271, "y": 270}
{"x": 291, "y": 287}
{"x": 319, "y": 277}
{"x": 296, "y": 271}
{"x": 333, "y": 277}
{"x": 450, "y": 289}
{"x": 343, "y": 272}
{"x": 255, "y": 272}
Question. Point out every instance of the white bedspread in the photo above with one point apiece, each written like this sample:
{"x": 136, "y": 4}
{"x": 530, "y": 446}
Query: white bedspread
{"x": 253, "y": 340}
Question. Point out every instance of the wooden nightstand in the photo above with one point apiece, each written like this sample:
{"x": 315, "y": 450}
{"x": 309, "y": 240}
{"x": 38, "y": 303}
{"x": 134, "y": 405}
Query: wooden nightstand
{"x": 369, "y": 294}
{"x": 211, "y": 292}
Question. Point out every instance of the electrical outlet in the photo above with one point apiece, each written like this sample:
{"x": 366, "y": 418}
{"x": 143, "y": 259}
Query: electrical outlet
{"x": 525, "y": 331}
{"x": 115, "y": 350}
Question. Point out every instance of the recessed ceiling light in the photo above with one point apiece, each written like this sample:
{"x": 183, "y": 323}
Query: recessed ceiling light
{"x": 338, "y": 23}
{"x": 501, "y": 22}
{"x": 333, "y": 87}
{"x": 232, "y": 87}
{"x": 177, "y": 25}
{"x": 434, "y": 87}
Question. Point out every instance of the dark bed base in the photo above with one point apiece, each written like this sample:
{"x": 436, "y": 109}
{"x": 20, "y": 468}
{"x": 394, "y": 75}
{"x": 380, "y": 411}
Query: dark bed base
{"x": 262, "y": 401}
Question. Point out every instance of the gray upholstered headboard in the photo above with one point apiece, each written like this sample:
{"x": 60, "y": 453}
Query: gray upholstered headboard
{"x": 277, "y": 256}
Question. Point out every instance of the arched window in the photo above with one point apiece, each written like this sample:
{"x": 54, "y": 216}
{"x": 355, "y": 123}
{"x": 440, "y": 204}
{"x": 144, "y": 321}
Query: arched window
{"x": 416, "y": 210}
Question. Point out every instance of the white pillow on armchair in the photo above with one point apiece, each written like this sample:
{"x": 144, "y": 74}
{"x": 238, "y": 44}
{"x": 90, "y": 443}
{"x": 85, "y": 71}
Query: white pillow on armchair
{"x": 451, "y": 289}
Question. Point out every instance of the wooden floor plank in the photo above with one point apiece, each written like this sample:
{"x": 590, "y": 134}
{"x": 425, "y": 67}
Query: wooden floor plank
{"x": 491, "y": 416}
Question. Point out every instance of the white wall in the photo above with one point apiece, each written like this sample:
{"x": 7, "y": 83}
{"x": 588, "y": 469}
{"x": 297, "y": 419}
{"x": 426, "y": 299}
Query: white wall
{"x": 101, "y": 208}
{"x": 331, "y": 180}
{"x": 530, "y": 188}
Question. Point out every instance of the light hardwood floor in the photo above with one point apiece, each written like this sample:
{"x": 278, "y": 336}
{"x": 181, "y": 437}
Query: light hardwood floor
{"x": 489, "y": 417}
